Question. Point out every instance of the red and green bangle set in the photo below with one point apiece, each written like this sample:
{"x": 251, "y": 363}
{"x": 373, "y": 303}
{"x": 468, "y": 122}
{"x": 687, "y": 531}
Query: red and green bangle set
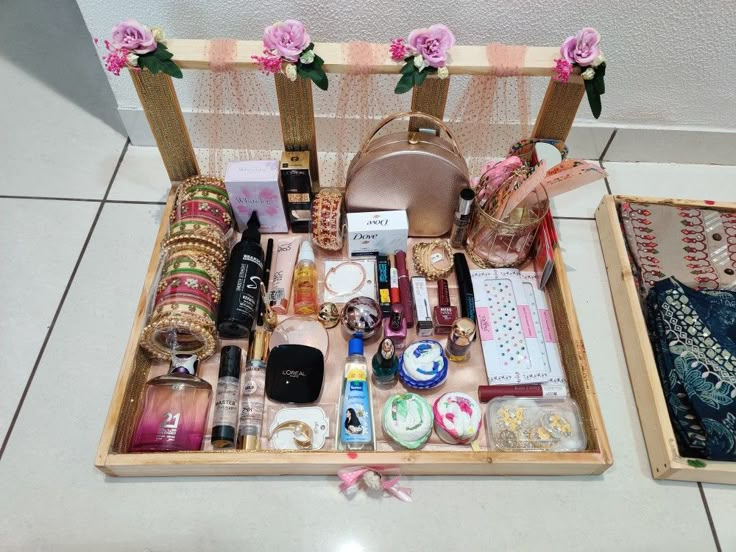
{"x": 183, "y": 318}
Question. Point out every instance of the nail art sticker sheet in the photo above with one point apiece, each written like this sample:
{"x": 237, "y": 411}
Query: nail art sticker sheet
{"x": 511, "y": 349}
{"x": 545, "y": 329}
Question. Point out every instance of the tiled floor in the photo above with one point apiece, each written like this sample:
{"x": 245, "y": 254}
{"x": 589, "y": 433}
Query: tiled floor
{"x": 70, "y": 295}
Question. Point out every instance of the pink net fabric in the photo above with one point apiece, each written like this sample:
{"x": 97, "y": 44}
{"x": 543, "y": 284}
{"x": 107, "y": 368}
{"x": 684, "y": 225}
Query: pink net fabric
{"x": 493, "y": 111}
{"x": 363, "y": 99}
{"x": 233, "y": 116}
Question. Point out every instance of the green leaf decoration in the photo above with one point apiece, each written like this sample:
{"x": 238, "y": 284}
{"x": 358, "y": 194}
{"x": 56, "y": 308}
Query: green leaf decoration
{"x": 310, "y": 47}
{"x": 406, "y": 83}
{"x": 171, "y": 68}
{"x": 314, "y": 73}
{"x": 696, "y": 463}
{"x": 599, "y": 84}
{"x": 594, "y": 98}
{"x": 408, "y": 68}
{"x": 150, "y": 62}
{"x": 419, "y": 77}
{"x": 318, "y": 61}
{"x": 162, "y": 53}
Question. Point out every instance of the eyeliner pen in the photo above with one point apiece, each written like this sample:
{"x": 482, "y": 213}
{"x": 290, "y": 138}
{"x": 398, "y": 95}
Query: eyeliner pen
{"x": 266, "y": 277}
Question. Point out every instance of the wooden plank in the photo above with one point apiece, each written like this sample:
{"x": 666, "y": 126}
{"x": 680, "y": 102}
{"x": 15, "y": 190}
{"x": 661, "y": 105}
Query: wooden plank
{"x": 161, "y": 105}
{"x": 464, "y": 60}
{"x": 664, "y": 458}
{"x": 558, "y": 109}
{"x": 118, "y": 396}
{"x": 327, "y": 463}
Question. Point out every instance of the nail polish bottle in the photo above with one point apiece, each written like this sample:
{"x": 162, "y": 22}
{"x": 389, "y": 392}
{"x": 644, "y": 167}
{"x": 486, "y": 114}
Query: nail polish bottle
{"x": 444, "y": 313}
{"x": 385, "y": 364}
{"x": 174, "y": 410}
{"x": 394, "y": 327}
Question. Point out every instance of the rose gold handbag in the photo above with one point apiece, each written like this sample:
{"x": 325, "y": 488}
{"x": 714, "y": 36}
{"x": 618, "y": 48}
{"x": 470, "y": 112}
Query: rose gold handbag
{"x": 419, "y": 172}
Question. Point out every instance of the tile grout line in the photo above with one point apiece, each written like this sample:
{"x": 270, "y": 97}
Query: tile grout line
{"x": 710, "y": 517}
{"x": 607, "y": 146}
{"x": 85, "y": 199}
{"x": 64, "y": 295}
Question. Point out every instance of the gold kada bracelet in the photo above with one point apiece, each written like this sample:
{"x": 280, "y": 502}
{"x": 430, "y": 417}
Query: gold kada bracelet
{"x": 425, "y": 265}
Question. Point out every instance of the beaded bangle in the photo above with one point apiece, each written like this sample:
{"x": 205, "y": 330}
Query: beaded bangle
{"x": 215, "y": 251}
{"x": 181, "y": 333}
{"x": 188, "y": 261}
{"x": 422, "y": 254}
{"x": 327, "y": 219}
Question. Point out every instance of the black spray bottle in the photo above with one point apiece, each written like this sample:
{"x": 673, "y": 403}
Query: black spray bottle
{"x": 240, "y": 291}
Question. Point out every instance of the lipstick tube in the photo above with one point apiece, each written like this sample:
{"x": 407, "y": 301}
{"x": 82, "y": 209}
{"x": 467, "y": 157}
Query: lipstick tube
{"x": 488, "y": 392}
{"x": 404, "y": 288}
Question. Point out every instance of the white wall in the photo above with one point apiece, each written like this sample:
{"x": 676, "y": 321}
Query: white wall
{"x": 671, "y": 62}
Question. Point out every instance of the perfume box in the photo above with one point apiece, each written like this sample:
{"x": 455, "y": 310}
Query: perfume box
{"x": 377, "y": 233}
{"x": 254, "y": 186}
{"x": 297, "y": 185}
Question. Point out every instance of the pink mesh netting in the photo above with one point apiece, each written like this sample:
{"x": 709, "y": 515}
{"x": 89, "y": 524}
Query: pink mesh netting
{"x": 493, "y": 111}
{"x": 363, "y": 99}
{"x": 233, "y": 116}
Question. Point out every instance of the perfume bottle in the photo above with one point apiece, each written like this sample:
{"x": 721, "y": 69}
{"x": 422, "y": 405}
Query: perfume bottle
{"x": 385, "y": 364}
{"x": 305, "y": 281}
{"x": 174, "y": 410}
{"x": 394, "y": 327}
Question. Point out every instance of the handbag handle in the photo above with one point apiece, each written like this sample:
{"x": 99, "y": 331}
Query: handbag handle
{"x": 403, "y": 114}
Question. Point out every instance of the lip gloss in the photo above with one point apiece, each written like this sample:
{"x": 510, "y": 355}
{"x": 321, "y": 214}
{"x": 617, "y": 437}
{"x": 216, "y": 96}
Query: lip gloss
{"x": 489, "y": 392}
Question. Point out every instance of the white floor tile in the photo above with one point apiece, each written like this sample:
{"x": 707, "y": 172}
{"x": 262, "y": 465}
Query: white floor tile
{"x": 50, "y": 146}
{"x": 36, "y": 268}
{"x": 714, "y": 182}
{"x": 619, "y": 509}
{"x": 141, "y": 177}
{"x": 723, "y": 510}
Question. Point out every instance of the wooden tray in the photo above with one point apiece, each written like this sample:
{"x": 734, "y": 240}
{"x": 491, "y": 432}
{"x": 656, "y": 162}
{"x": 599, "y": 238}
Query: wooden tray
{"x": 113, "y": 459}
{"x": 664, "y": 457}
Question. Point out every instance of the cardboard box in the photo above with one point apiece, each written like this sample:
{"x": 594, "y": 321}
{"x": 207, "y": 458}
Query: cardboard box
{"x": 254, "y": 186}
{"x": 377, "y": 233}
{"x": 297, "y": 184}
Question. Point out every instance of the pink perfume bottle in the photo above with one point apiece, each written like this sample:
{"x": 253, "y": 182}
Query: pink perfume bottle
{"x": 174, "y": 410}
{"x": 394, "y": 327}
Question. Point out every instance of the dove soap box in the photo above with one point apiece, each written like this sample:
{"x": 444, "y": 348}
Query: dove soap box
{"x": 254, "y": 186}
{"x": 377, "y": 233}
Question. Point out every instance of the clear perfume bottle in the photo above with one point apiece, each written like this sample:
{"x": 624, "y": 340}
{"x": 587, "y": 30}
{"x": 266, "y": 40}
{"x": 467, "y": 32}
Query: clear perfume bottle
{"x": 173, "y": 414}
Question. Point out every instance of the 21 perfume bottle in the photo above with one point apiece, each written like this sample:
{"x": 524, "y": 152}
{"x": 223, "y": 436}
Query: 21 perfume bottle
{"x": 173, "y": 414}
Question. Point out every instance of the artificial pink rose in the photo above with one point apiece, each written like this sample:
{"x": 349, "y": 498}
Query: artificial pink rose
{"x": 133, "y": 36}
{"x": 287, "y": 39}
{"x": 432, "y": 44}
{"x": 582, "y": 48}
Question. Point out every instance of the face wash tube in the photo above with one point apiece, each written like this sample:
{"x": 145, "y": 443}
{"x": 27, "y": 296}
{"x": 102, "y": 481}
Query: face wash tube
{"x": 279, "y": 286}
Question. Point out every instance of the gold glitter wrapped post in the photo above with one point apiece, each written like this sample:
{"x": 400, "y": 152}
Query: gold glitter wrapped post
{"x": 558, "y": 110}
{"x": 430, "y": 97}
{"x": 165, "y": 118}
{"x": 296, "y": 109}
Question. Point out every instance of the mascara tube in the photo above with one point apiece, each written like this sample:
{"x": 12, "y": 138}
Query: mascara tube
{"x": 465, "y": 287}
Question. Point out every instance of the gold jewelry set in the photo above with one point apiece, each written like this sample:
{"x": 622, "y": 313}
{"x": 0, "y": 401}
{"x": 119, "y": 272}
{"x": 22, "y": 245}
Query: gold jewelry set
{"x": 433, "y": 259}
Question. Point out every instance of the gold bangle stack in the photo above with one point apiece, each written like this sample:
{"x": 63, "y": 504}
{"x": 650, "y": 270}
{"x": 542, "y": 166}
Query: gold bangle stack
{"x": 183, "y": 316}
{"x": 327, "y": 219}
{"x": 422, "y": 253}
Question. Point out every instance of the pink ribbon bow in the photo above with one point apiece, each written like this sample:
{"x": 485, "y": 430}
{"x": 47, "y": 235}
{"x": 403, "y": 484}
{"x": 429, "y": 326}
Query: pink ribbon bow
{"x": 389, "y": 481}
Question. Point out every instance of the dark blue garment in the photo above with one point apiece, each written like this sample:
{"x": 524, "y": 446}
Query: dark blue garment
{"x": 694, "y": 338}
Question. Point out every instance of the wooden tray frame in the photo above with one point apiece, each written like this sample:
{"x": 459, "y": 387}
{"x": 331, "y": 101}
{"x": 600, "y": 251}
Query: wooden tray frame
{"x": 664, "y": 458}
{"x": 162, "y": 109}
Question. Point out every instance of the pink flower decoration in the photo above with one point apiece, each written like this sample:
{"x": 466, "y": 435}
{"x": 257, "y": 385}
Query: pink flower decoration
{"x": 398, "y": 49}
{"x": 563, "y": 69}
{"x": 268, "y": 63}
{"x": 582, "y": 48}
{"x": 286, "y": 39}
{"x": 117, "y": 58}
{"x": 433, "y": 44}
{"x": 133, "y": 36}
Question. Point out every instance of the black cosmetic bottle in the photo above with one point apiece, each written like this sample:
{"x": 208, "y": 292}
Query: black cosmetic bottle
{"x": 240, "y": 291}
